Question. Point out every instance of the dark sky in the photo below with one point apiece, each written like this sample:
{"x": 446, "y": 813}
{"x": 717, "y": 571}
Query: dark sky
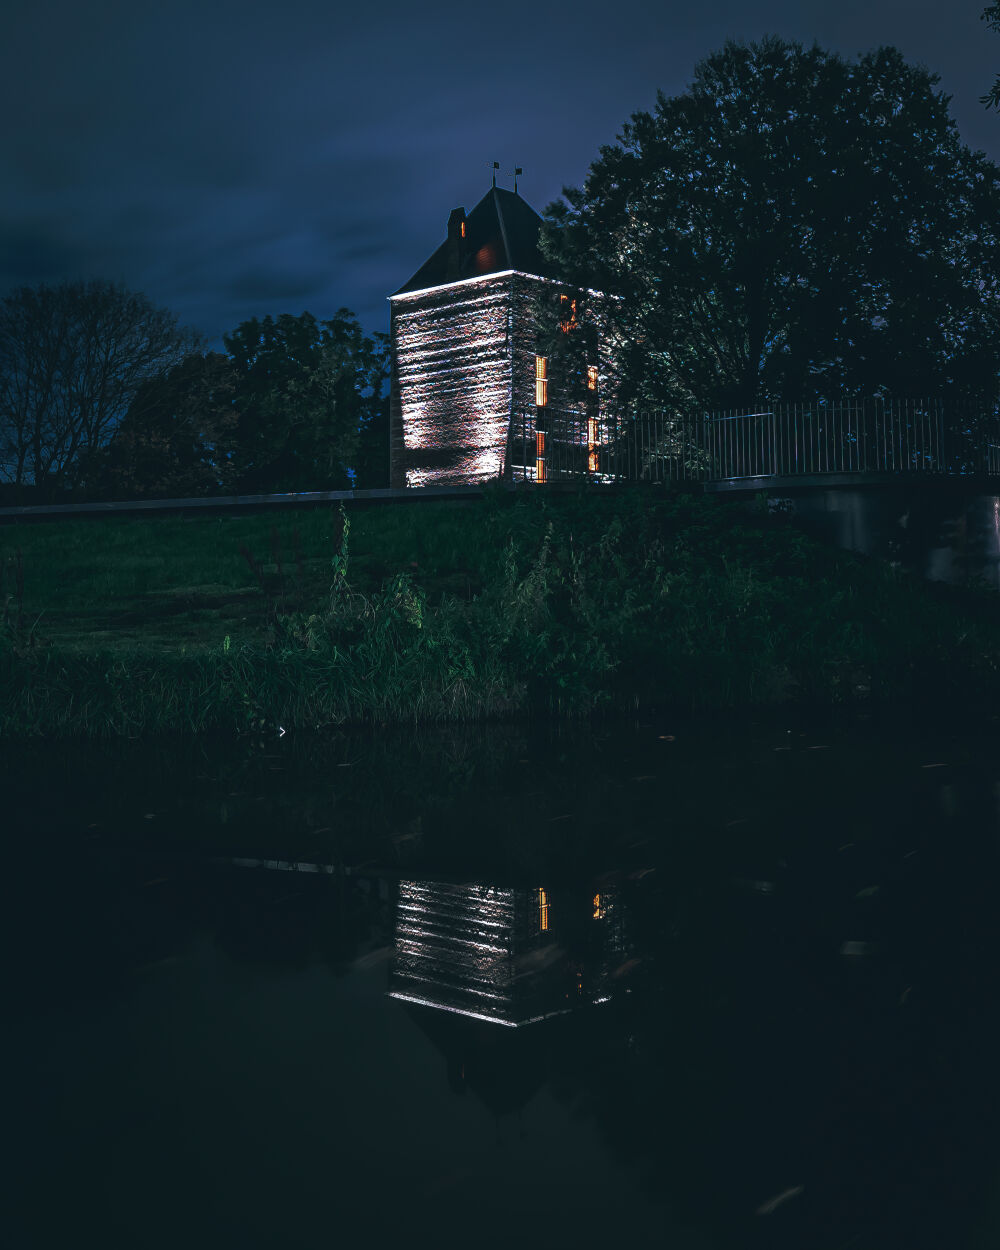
{"x": 233, "y": 158}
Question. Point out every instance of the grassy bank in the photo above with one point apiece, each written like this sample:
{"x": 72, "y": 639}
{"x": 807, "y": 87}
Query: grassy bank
{"x": 505, "y": 606}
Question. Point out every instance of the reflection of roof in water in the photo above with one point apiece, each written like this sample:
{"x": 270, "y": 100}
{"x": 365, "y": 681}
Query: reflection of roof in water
{"x": 476, "y": 951}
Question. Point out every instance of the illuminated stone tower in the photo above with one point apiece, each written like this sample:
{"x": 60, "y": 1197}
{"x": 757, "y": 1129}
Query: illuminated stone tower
{"x": 463, "y": 348}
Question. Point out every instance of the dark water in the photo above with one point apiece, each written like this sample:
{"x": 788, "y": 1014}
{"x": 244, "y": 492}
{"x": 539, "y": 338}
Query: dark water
{"x": 714, "y": 987}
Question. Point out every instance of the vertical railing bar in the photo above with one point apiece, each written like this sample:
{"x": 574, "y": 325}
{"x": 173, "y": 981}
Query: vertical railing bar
{"x": 807, "y": 434}
{"x": 823, "y": 435}
{"x": 890, "y": 453}
{"x": 904, "y": 450}
{"x": 895, "y": 441}
{"x": 904, "y": 435}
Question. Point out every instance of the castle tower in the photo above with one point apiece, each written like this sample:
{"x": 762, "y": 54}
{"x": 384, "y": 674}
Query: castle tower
{"x": 464, "y": 360}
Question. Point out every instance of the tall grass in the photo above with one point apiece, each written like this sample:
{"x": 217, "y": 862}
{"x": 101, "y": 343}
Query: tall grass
{"x": 511, "y": 607}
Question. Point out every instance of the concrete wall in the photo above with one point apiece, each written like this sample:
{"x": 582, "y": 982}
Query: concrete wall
{"x": 948, "y": 531}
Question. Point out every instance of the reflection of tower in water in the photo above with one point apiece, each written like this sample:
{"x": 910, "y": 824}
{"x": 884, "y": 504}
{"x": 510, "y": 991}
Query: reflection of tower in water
{"x": 506, "y": 956}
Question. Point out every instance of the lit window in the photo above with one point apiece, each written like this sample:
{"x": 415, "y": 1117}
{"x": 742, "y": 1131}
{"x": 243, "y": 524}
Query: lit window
{"x": 539, "y": 456}
{"x": 543, "y": 911}
{"x": 599, "y": 907}
{"x": 591, "y": 444}
{"x": 463, "y": 229}
{"x": 567, "y": 313}
{"x": 592, "y": 377}
{"x": 541, "y": 381}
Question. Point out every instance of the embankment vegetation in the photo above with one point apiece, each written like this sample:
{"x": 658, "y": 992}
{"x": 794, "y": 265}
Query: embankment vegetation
{"x": 502, "y": 607}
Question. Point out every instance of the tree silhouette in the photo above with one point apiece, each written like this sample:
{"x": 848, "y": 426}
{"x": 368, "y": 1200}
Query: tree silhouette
{"x": 991, "y": 16}
{"x": 72, "y": 359}
{"x": 304, "y": 390}
{"x": 793, "y": 225}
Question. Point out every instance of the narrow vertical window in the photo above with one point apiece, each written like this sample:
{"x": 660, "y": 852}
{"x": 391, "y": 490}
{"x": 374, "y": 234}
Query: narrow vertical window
{"x": 539, "y": 456}
{"x": 541, "y": 381}
{"x": 591, "y": 444}
{"x": 463, "y": 229}
{"x": 592, "y": 377}
{"x": 543, "y": 911}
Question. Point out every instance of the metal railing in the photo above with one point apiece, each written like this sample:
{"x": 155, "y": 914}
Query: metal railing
{"x": 851, "y": 436}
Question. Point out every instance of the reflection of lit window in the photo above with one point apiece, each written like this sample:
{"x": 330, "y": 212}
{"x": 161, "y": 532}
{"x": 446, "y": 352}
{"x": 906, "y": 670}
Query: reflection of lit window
{"x": 600, "y": 907}
{"x": 540, "y": 442}
{"x": 591, "y": 429}
{"x": 592, "y": 377}
{"x": 592, "y": 462}
{"x": 543, "y": 911}
{"x": 541, "y": 381}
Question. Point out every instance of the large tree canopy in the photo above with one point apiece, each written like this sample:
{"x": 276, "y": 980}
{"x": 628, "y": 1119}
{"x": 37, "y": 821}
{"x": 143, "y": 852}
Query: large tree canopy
{"x": 295, "y": 404}
{"x": 991, "y": 16}
{"x": 178, "y": 436}
{"x": 72, "y": 359}
{"x": 794, "y": 224}
{"x": 305, "y": 390}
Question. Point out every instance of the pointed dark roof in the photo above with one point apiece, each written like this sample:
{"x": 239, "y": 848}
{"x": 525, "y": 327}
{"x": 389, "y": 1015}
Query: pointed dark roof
{"x": 501, "y": 233}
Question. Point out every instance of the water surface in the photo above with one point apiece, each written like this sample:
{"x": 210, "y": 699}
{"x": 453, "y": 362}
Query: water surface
{"x": 704, "y": 987}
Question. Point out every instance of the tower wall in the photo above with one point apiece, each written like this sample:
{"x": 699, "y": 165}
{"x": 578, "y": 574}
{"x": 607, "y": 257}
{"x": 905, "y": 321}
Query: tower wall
{"x": 463, "y": 365}
{"x": 453, "y": 378}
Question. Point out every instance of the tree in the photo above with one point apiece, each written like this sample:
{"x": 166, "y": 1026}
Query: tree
{"x": 371, "y": 468}
{"x": 991, "y": 16}
{"x": 793, "y": 225}
{"x": 176, "y": 438}
{"x": 72, "y": 359}
{"x": 304, "y": 391}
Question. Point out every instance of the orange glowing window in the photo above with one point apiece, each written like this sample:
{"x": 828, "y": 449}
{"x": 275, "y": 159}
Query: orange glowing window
{"x": 540, "y": 442}
{"x": 541, "y": 381}
{"x": 591, "y": 429}
{"x": 592, "y": 377}
{"x": 540, "y": 470}
{"x": 567, "y": 311}
{"x": 592, "y": 462}
{"x": 463, "y": 229}
{"x": 599, "y": 908}
{"x": 543, "y": 911}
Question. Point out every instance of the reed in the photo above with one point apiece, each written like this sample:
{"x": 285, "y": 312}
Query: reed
{"x": 564, "y": 606}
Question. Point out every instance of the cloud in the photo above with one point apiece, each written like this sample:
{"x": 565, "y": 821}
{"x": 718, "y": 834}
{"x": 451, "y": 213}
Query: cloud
{"x": 267, "y": 285}
{"x": 243, "y": 157}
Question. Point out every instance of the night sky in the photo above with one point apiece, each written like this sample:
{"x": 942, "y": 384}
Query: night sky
{"x": 235, "y": 158}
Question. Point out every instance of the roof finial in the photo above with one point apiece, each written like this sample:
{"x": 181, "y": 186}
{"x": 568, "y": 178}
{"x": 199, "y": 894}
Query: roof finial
{"x": 496, "y": 166}
{"x": 517, "y": 171}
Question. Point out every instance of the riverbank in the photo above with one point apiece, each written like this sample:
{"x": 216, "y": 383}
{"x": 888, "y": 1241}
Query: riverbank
{"x": 505, "y": 607}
